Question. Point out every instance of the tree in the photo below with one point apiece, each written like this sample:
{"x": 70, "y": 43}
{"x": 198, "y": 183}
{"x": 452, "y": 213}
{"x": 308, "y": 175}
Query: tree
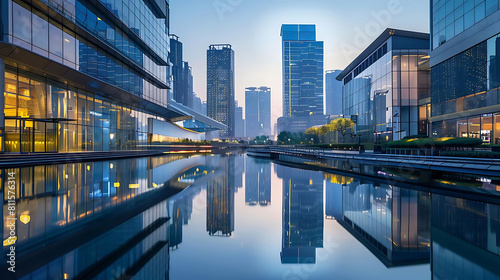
{"x": 342, "y": 125}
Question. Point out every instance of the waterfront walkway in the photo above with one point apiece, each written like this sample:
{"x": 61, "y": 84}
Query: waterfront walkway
{"x": 451, "y": 164}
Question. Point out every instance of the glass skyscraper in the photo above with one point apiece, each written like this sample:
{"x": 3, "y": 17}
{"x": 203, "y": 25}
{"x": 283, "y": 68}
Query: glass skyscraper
{"x": 388, "y": 86}
{"x": 333, "y": 93}
{"x": 302, "y": 71}
{"x": 258, "y": 111}
{"x": 220, "y": 86}
{"x": 82, "y": 75}
{"x": 465, "y": 69}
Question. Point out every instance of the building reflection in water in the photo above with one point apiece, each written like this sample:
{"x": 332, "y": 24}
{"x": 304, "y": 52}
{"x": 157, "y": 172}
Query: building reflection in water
{"x": 257, "y": 182}
{"x": 220, "y": 195}
{"x": 333, "y": 195}
{"x": 303, "y": 218}
{"x": 392, "y": 222}
{"x": 90, "y": 208}
{"x": 465, "y": 239}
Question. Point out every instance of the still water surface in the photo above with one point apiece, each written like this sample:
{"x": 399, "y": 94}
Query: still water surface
{"x": 232, "y": 216}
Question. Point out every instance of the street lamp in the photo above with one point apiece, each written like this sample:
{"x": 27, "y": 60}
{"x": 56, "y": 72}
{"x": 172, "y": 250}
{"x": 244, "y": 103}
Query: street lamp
{"x": 359, "y": 140}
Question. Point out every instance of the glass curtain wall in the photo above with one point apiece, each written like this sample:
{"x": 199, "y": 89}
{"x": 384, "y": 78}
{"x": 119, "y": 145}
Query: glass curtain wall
{"x": 45, "y": 116}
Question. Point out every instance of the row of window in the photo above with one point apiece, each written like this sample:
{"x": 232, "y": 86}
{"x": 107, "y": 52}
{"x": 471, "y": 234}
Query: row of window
{"x": 36, "y": 32}
{"x": 135, "y": 14}
{"x": 468, "y": 80}
{"x": 452, "y": 17}
{"x": 485, "y": 127}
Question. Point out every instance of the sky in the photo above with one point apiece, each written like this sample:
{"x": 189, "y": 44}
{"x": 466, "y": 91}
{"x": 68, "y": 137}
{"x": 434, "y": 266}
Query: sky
{"x": 252, "y": 27}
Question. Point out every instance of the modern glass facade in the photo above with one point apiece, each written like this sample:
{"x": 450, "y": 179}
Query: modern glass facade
{"x": 89, "y": 76}
{"x": 388, "y": 87}
{"x": 302, "y": 71}
{"x": 258, "y": 111}
{"x": 466, "y": 75}
{"x": 220, "y": 86}
{"x": 475, "y": 87}
{"x": 452, "y": 17}
{"x": 333, "y": 93}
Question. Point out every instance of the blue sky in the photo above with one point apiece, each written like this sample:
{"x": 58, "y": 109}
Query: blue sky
{"x": 252, "y": 27}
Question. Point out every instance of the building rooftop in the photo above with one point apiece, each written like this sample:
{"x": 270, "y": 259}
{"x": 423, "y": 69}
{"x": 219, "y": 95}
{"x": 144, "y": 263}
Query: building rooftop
{"x": 298, "y": 32}
{"x": 388, "y": 33}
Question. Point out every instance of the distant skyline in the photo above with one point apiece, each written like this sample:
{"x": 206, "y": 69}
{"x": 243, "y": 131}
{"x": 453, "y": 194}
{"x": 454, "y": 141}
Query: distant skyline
{"x": 253, "y": 30}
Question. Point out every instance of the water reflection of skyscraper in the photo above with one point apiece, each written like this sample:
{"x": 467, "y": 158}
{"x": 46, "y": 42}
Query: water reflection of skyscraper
{"x": 465, "y": 239}
{"x": 391, "y": 222}
{"x": 302, "y": 230}
{"x": 257, "y": 181}
{"x": 220, "y": 197}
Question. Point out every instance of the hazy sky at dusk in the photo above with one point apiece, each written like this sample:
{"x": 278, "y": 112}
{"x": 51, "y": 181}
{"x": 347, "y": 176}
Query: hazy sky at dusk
{"x": 252, "y": 27}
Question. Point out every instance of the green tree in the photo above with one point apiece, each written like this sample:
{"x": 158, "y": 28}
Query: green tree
{"x": 342, "y": 125}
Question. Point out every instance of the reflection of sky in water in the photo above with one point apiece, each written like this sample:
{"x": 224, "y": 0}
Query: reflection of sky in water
{"x": 232, "y": 221}
{"x": 253, "y": 250}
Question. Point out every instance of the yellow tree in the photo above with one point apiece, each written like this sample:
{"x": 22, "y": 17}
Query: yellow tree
{"x": 342, "y": 125}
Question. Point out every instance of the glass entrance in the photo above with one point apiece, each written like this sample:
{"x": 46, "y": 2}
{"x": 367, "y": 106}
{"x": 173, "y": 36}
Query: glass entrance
{"x": 51, "y": 137}
{"x": 27, "y": 136}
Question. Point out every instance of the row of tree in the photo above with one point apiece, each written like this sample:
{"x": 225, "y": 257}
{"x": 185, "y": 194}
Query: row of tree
{"x": 342, "y": 125}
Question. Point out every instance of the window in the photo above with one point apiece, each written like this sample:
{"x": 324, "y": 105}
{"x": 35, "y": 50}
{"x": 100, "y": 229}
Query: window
{"x": 55, "y": 42}
{"x": 40, "y": 32}
{"x": 21, "y": 23}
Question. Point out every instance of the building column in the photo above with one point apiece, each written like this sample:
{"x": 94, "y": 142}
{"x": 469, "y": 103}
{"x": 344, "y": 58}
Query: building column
{"x": 2, "y": 106}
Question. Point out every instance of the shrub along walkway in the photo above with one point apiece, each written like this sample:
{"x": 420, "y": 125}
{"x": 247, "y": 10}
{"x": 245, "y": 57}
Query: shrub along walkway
{"x": 450, "y": 164}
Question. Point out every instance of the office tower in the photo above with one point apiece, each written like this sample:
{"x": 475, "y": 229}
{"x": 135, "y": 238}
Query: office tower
{"x": 204, "y": 108}
{"x": 257, "y": 182}
{"x": 333, "y": 93}
{"x": 464, "y": 62}
{"x": 187, "y": 76}
{"x": 220, "y": 86}
{"x": 258, "y": 111}
{"x": 239, "y": 122}
{"x": 82, "y": 76}
{"x": 176, "y": 57}
{"x": 181, "y": 73}
{"x": 302, "y": 71}
{"x": 387, "y": 87}
{"x": 197, "y": 104}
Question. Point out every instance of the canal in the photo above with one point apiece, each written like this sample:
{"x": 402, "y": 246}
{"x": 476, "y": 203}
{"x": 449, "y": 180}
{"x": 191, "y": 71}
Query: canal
{"x": 232, "y": 216}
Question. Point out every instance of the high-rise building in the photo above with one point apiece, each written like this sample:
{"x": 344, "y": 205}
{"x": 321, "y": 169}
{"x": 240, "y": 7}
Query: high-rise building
{"x": 182, "y": 74}
{"x": 333, "y": 93}
{"x": 387, "y": 87}
{"x": 239, "y": 122}
{"x": 176, "y": 58}
{"x": 197, "y": 104}
{"x": 465, "y": 69}
{"x": 258, "y": 111}
{"x": 187, "y": 77}
{"x": 83, "y": 75}
{"x": 220, "y": 86}
{"x": 302, "y": 71}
